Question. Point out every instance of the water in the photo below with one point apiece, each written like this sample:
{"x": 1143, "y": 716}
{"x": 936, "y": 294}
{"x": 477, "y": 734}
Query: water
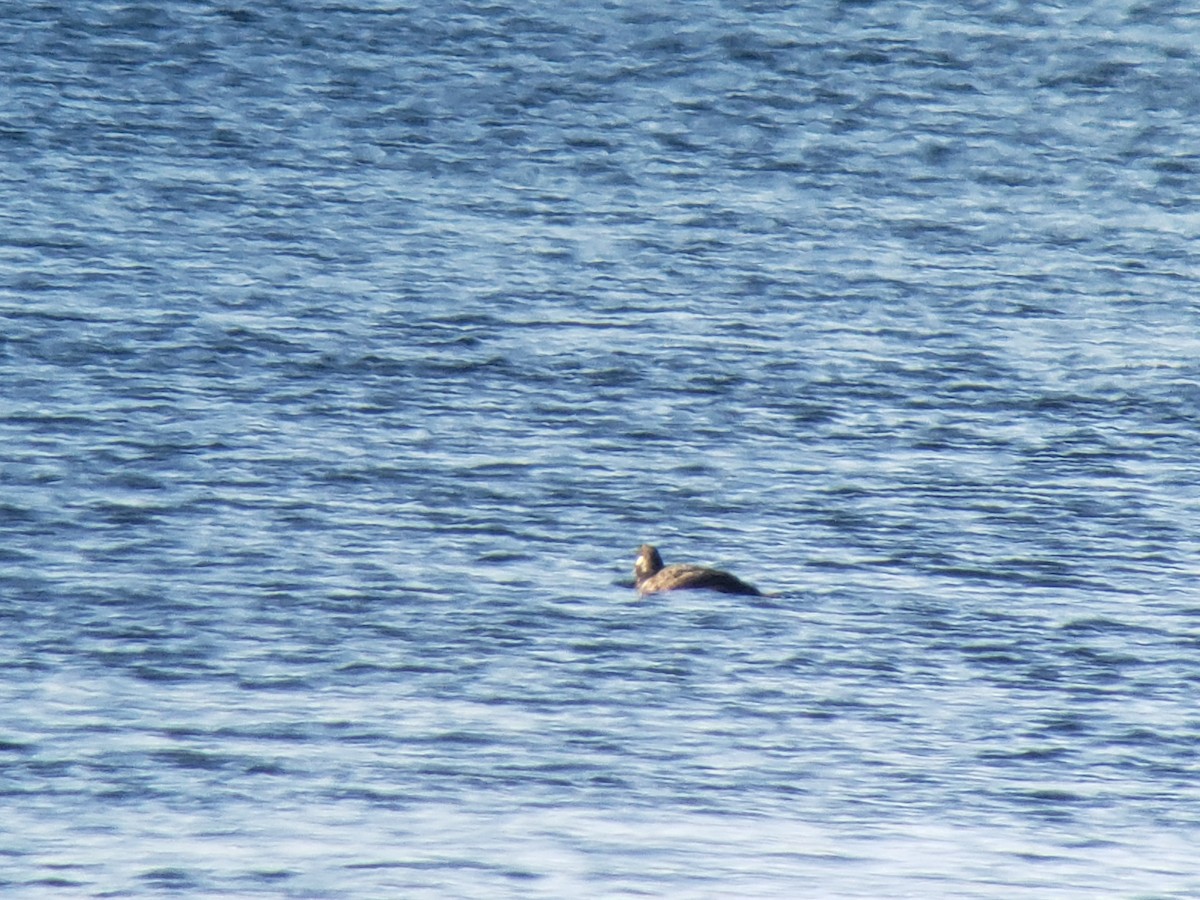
{"x": 350, "y": 351}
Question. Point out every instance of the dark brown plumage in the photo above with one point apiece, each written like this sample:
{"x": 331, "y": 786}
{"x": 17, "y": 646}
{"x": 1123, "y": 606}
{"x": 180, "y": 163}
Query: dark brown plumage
{"x": 653, "y": 577}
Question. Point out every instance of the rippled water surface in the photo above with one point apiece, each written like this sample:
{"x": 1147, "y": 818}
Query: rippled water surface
{"x": 350, "y": 350}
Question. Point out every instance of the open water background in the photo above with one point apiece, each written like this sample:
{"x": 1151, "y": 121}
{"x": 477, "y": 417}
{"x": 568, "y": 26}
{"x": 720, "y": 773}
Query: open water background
{"x": 350, "y": 349}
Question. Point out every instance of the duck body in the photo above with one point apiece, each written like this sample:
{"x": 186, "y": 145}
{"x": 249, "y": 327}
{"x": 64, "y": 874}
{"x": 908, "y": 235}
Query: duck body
{"x": 653, "y": 577}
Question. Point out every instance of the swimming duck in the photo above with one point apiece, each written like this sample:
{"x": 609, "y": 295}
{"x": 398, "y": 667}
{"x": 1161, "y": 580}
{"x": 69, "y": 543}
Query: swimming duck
{"x": 653, "y": 577}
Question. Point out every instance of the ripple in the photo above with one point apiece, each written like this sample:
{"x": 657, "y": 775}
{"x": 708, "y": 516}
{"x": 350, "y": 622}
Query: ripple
{"x": 350, "y": 351}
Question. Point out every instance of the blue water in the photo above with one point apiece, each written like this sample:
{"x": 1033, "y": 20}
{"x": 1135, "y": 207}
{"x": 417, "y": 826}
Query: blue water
{"x": 350, "y": 350}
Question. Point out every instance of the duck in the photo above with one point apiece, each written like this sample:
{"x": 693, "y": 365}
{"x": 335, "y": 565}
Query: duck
{"x": 653, "y": 577}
